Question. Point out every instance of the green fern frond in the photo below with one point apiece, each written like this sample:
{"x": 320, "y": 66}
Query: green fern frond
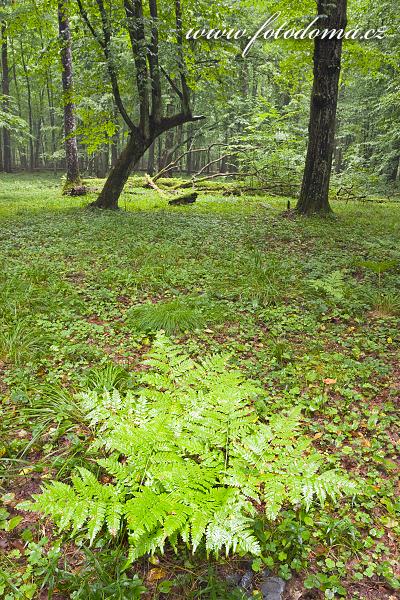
{"x": 185, "y": 454}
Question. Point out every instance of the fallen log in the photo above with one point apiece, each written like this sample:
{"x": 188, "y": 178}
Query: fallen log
{"x": 181, "y": 200}
{"x": 184, "y": 199}
{"x": 80, "y": 190}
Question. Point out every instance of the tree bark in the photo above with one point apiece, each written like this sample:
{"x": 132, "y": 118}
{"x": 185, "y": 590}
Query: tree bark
{"x": 30, "y": 111}
{"x": 7, "y": 162}
{"x": 314, "y": 196}
{"x": 114, "y": 141}
{"x": 71, "y": 146}
{"x": 151, "y": 159}
{"x": 52, "y": 120}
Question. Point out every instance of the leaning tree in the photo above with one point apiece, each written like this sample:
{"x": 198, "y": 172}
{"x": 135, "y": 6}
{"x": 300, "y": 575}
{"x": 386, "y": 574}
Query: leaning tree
{"x": 314, "y": 195}
{"x": 141, "y": 25}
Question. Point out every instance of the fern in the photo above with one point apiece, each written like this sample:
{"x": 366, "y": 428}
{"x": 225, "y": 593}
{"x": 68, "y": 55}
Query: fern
{"x": 333, "y": 286}
{"x": 186, "y": 455}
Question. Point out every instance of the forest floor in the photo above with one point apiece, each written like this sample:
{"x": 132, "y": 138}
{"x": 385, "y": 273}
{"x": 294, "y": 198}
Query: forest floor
{"x": 309, "y": 308}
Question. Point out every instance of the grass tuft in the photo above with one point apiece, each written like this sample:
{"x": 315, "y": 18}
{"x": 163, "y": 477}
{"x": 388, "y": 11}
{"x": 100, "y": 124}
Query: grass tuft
{"x": 175, "y": 316}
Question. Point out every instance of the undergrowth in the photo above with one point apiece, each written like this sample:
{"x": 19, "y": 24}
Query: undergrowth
{"x": 188, "y": 457}
{"x": 306, "y": 309}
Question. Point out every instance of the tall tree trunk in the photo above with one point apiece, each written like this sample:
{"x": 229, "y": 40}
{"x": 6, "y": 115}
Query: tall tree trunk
{"x": 21, "y": 147}
{"x": 7, "y": 163}
{"x": 314, "y": 196}
{"x": 394, "y": 169}
{"x": 115, "y": 139}
{"x": 114, "y": 149}
{"x": 71, "y": 146}
{"x": 189, "y": 156}
{"x": 52, "y": 120}
{"x": 338, "y": 158}
{"x": 38, "y": 142}
{"x": 30, "y": 112}
{"x": 159, "y": 155}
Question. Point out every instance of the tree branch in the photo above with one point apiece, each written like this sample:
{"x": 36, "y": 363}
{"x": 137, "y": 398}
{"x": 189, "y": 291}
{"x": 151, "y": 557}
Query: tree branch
{"x": 153, "y": 56}
{"x": 181, "y": 60}
{"x": 92, "y": 30}
{"x": 105, "y": 45}
{"x": 137, "y": 36}
{"x": 167, "y": 123}
{"x": 172, "y": 84}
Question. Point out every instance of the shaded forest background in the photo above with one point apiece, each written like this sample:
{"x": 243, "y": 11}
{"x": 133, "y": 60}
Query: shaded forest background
{"x": 256, "y": 108}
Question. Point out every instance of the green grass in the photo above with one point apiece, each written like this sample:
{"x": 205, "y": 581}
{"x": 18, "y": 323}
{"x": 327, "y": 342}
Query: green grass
{"x": 82, "y": 293}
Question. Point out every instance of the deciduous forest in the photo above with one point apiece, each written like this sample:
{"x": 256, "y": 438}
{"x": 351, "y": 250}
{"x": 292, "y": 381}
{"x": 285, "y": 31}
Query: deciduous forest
{"x": 199, "y": 299}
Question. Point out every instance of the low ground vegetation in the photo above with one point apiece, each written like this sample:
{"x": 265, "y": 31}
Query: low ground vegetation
{"x": 295, "y": 317}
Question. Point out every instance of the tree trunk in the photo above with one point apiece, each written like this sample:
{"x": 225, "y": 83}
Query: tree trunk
{"x": 71, "y": 146}
{"x": 30, "y": 112}
{"x": 21, "y": 147}
{"x": 115, "y": 139}
{"x": 314, "y": 196}
{"x": 37, "y": 143}
{"x": 338, "y": 154}
{"x": 151, "y": 159}
{"x": 119, "y": 174}
{"x": 159, "y": 154}
{"x": 52, "y": 120}
{"x": 189, "y": 155}
{"x": 393, "y": 169}
{"x": 7, "y": 163}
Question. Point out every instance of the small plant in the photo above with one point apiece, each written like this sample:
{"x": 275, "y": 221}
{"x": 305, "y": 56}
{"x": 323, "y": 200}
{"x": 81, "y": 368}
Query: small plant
{"x": 378, "y": 267}
{"x": 180, "y": 314}
{"x": 107, "y": 378}
{"x": 19, "y": 341}
{"x": 53, "y": 404}
{"x": 264, "y": 280}
{"x": 329, "y": 584}
{"x": 383, "y": 302}
{"x": 332, "y": 286}
{"x": 280, "y": 351}
{"x": 103, "y": 575}
{"x": 171, "y": 317}
{"x": 186, "y": 458}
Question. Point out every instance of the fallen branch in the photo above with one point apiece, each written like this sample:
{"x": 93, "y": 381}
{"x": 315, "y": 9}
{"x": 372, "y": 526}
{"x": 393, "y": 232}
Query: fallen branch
{"x": 194, "y": 181}
{"x": 151, "y": 183}
{"x": 181, "y": 200}
{"x": 174, "y": 164}
{"x": 80, "y": 190}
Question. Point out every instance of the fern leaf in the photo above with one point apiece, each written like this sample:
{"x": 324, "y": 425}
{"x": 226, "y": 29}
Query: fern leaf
{"x": 113, "y": 517}
{"x": 96, "y": 516}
